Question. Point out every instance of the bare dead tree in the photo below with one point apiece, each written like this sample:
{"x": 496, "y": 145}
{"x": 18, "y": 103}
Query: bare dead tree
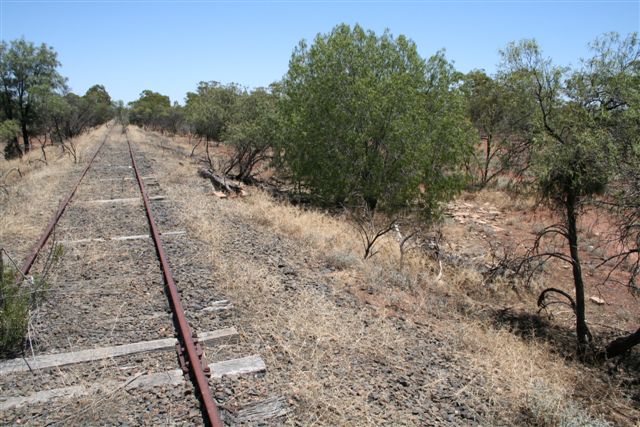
{"x": 43, "y": 144}
{"x": 69, "y": 147}
{"x": 406, "y": 242}
{"x": 369, "y": 227}
{"x": 6, "y": 175}
{"x": 193, "y": 149}
{"x": 209, "y": 161}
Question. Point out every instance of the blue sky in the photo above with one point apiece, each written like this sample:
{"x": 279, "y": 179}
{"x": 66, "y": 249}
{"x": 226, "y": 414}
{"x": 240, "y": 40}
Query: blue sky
{"x": 169, "y": 46}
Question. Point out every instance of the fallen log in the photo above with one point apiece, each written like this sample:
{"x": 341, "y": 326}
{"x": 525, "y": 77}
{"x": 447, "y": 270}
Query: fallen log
{"x": 621, "y": 345}
{"x": 291, "y": 197}
{"x": 221, "y": 183}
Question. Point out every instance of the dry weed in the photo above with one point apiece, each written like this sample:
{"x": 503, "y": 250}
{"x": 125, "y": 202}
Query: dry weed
{"x": 30, "y": 201}
{"x": 552, "y": 406}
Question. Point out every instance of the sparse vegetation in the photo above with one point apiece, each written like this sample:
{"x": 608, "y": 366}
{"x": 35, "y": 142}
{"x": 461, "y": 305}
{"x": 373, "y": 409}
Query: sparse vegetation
{"x": 550, "y": 407}
{"x": 363, "y": 131}
{"x": 14, "y": 310}
{"x": 18, "y": 296}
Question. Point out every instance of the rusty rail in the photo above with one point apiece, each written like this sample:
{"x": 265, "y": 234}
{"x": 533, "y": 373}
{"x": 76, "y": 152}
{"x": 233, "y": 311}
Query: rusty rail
{"x": 184, "y": 331}
{"x": 26, "y": 266}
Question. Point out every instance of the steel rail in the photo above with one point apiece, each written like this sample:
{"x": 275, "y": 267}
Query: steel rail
{"x": 26, "y": 266}
{"x": 184, "y": 331}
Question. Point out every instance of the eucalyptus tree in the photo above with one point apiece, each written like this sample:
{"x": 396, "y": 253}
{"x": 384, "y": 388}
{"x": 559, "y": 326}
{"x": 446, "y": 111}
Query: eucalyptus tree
{"x": 252, "y": 131}
{"x": 28, "y": 74}
{"x": 150, "y": 110}
{"x": 586, "y": 125}
{"x": 210, "y": 108}
{"x": 99, "y": 103}
{"x": 365, "y": 118}
{"x": 501, "y": 114}
{"x": 64, "y": 116}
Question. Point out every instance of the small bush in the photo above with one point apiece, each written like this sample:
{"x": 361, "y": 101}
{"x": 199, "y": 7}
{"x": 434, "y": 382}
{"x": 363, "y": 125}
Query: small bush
{"x": 389, "y": 277}
{"x": 14, "y": 313}
{"x": 551, "y": 407}
{"x": 342, "y": 260}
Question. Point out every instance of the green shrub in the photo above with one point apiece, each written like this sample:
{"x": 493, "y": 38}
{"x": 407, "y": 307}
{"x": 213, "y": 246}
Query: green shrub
{"x": 14, "y": 312}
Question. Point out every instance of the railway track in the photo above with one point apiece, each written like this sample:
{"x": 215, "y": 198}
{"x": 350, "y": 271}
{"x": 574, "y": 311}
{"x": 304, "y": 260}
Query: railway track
{"x": 102, "y": 342}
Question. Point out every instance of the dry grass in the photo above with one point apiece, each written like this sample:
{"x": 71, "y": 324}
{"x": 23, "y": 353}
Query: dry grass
{"x": 499, "y": 199}
{"x": 514, "y": 370}
{"x": 321, "y": 344}
{"x": 521, "y": 376}
{"x": 31, "y": 199}
{"x": 318, "y": 343}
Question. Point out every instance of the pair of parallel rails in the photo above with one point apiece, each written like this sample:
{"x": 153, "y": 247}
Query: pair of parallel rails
{"x": 188, "y": 351}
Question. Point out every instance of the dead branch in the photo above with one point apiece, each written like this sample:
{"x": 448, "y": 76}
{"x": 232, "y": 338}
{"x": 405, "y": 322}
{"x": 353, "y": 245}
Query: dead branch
{"x": 220, "y": 182}
{"x": 38, "y": 160}
{"x": 70, "y": 148}
{"x": 621, "y": 345}
{"x": 193, "y": 150}
{"x": 500, "y": 264}
{"x": 543, "y": 303}
{"x": 206, "y": 149}
{"x": 404, "y": 242}
{"x": 369, "y": 231}
{"x": 6, "y": 175}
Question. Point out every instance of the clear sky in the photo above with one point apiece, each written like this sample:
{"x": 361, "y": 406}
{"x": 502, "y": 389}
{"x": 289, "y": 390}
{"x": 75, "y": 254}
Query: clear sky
{"x": 170, "y": 46}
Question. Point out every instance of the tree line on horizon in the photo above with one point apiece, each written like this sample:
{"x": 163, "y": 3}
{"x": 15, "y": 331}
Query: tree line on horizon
{"x": 35, "y": 100}
{"x": 364, "y": 122}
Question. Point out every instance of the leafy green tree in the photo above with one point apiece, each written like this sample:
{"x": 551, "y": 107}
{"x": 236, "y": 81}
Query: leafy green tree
{"x": 584, "y": 123}
{"x": 9, "y": 131}
{"x": 154, "y": 111}
{"x": 98, "y": 102}
{"x": 209, "y": 110}
{"x": 252, "y": 131}
{"x": 63, "y": 117}
{"x": 27, "y": 75}
{"x": 366, "y": 118}
{"x": 121, "y": 113}
{"x": 151, "y": 110}
{"x": 498, "y": 110}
